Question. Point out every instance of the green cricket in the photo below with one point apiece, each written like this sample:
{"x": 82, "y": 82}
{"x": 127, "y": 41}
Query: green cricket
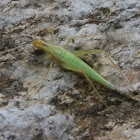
{"x": 71, "y": 61}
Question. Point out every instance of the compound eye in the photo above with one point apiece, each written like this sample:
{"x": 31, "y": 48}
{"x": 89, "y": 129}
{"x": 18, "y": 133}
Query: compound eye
{"x": 37, "y": 43}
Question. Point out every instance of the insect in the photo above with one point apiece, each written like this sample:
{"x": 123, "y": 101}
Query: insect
{"x": 71, "y": 61}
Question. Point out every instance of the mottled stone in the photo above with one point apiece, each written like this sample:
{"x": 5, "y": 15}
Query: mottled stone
{"x": 65, "y": 107}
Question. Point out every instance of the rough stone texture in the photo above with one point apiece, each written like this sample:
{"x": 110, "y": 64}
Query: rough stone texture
{"x": 66, "y": 107}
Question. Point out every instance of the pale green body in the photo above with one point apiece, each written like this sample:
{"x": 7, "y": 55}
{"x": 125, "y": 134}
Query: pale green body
{"x": 72, "y": 62}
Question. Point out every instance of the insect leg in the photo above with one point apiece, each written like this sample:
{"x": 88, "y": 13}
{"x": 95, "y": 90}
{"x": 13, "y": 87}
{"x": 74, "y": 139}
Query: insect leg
{"x": 96, "y": 91}
{"x": 50, "y": 66}
{"x": 52, "y": 37}
{"x": 52, "y": 34}
{"x": 81, "y": 53}
{"x": 114, "y": 65}
{"x": 70, "y": 41}
{"x": 68, "y": 67}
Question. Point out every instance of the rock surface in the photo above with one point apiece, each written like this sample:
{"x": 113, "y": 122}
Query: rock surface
{"x": 66, "y": 107}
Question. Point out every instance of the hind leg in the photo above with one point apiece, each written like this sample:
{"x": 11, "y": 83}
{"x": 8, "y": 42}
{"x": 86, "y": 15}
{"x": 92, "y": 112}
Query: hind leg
{"x": 68, "y": 67}
{"x": 81, "y": 53}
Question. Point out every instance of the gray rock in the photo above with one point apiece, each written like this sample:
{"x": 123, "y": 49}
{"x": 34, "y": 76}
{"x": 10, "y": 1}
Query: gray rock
{"x": 65, "y": 107}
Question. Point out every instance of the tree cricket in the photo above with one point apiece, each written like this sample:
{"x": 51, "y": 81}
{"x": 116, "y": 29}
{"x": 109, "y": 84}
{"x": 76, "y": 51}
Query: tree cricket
{"x": 71, "y": 61}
